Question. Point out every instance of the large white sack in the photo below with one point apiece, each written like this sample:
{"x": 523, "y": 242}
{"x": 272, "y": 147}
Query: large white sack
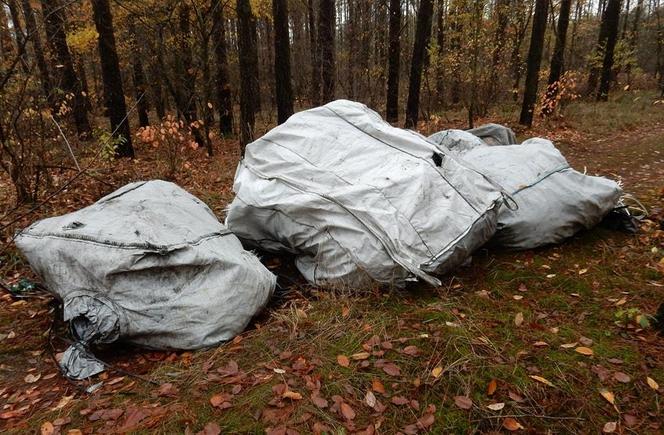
{"x": 355, "y": 198}
{"x": 150, "y": 264}
{"x": 554, "y": 201}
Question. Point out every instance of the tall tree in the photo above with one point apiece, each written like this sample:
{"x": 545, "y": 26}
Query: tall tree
{"x": 138, "y": 76}
{"x": 111, "y": 77}
{"x": 501, "y": 14}
{"x": 224, "y": 100}
{"x": 54, "y": 24}
{"x": 599, "y": 53}
{"x": 38, "y": 50}
{"x": 326, "y": 37}
{"x": 313, "y": 48}
{"x": 18, "y": 32}
{"x": 282, "y": 64}
{"x": 394, "y": 62}
{"x": 612, "y": 23}
{"x": 420, "y": 58}
{"x": 247, "y": 50}
{"x": 558, "y": 58}
{"x": 534, "y": 61}
{"x": 440, "y": 43}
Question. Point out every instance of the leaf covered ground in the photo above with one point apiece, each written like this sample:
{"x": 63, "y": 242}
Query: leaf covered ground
{"x": 558, "y": 339}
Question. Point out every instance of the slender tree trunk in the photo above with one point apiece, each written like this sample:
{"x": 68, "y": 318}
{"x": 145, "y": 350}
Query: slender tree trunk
{"x": 599, "y": 53}
{"x": 613, "y": 21}
{"x": 420, "y": 58}
{"x": 35, "y": 39}
{"x": 54, "y": 20}
{"x": 247, "y": 50}
{"x": 326, "y": 37}
{"x": 502, "y": 18}
{"x": 20, "y": 35}
{"x": 440, "y": 42}
{"x": 224, "y": 97}
{"x": 282, "y": 65}
{"x": 394, "y": 62}
{"x": 558, "y": 58}
{"x": 110, "y": 71}
{"x": 534, "y": 61}
{"x": 313, "y": 47}
{"x": 139, "y": 79}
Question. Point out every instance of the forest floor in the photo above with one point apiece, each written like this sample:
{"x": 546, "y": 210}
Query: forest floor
{"x": 536, "y": 341}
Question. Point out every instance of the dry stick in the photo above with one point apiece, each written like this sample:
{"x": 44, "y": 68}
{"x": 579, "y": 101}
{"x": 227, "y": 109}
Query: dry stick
{"x": 71, "y": 152}
{"x": 67, "y": 184}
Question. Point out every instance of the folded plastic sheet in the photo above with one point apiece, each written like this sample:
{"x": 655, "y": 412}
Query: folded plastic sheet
{"x": 356, "y": 199}
{"x": 554, "y": 201}
{"x": 149, "y": 264}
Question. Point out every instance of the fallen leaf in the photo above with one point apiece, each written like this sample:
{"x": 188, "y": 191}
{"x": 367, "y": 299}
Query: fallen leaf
{"x": 343, "y": 360}
{"x": 516, "y": 397}
{"x": 64, "y": 401}
{"x": 436, "y": 372}
{"x": 463, "y": 402}
{"x": 609, "y": 397}
{"x": 211, "y": 428}
{"x": 392, "y": 369}
{"x": 583, "y": 271}
{"x": 377, "y": 386}
{"x": 399, "y": 400}
{"x": 370, "y": 399}
{"x": 47, "y": 428}
{"x": 221, "y": 401}
{"x": 621, "y": 377}
{"x": 542, "y": 380}
{"x": 347, "y": 411}
{"x": 293, "y": 395}
{"x": 652, "y": 384}
{"x": 360, "y": 356}
{"x": 584, "y": 351}
{"x": 167, "y": 390}
{"x": 493, "y": 385}
{"x": 496, "y": 406}
{"x": 630, "y": 420}
{"x": 511, "y": 424}
{"x": 411, "y": 350}
{"x": 622, "y": 301}
{"x": 586, "y": 341}
{"x": 318, "y": 401}
{"x": 31, "y": 379}
{"x": 610, "y": 427}
{"x": 517, "y": 297}
{"x": 518, "y": 319}
{"x": 569, "y": 345}
{"x": 540, "y": 344}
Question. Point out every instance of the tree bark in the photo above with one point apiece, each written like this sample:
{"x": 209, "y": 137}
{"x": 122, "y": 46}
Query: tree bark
{"x": 394, "y": 62}
{"x": 612, "y": 23}
{"x": 313, "y": 47}
{"x": 502, "y": 18}
{"x": 420, "y": 58}
{"x": 282, "y": 64}
{"x": 534, "y": 61}
{"x": 112, "y": 78}
{"x": 599, "y": 52}
{"x": 35, "y": 39}
{"x": 224, "y": 97}
{"x": 248, "y": 66}
{"x": 326, "y": 36}
{"x": 20, "y": 35}
{"x": 558, "y": 58}
{"x": 54, "y": 23}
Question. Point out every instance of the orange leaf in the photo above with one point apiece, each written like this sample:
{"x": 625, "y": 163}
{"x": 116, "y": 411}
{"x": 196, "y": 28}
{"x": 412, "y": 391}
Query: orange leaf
{"x": 511, "y": 424}
{"x": 347, "y": 411}
{"x": 343, "y": 360}
{"x": 493, "y": 385}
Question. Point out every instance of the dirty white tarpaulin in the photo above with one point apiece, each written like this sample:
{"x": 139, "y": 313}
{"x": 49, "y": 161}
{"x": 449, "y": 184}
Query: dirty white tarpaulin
{"x": 354, "y": 198}
{"x": 150, "y": 264}
{"x": 554, "y": 201}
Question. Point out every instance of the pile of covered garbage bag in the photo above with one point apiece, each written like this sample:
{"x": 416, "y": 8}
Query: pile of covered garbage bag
{"x": 352, "y": 198}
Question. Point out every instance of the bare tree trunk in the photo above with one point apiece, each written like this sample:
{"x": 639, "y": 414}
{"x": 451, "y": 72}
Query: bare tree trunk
{"x": 110, "y": 71}
{"x": 326, "y": 46}
{"x": 558, "y": 58}
{"x": 534, "y": 61}
{"x": 247, "y": 55}
{"x": 20, "y": 35}
{"x": 440, "y": 42}
{"x": 501, "y": 15}
{"x": 313, "y": 47}
{"x": 612, "y": 24}
{"x": 282, "y": 65}
{"x": 139, "y": 79}
{"x": 599, "y": 52}
{"x": 54, "y": 20}
{"x": 224, "y": 100}
{"x": 394, "y": 61}
{"x": 420, "y": 58}
{"x": 35, "y": 39}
